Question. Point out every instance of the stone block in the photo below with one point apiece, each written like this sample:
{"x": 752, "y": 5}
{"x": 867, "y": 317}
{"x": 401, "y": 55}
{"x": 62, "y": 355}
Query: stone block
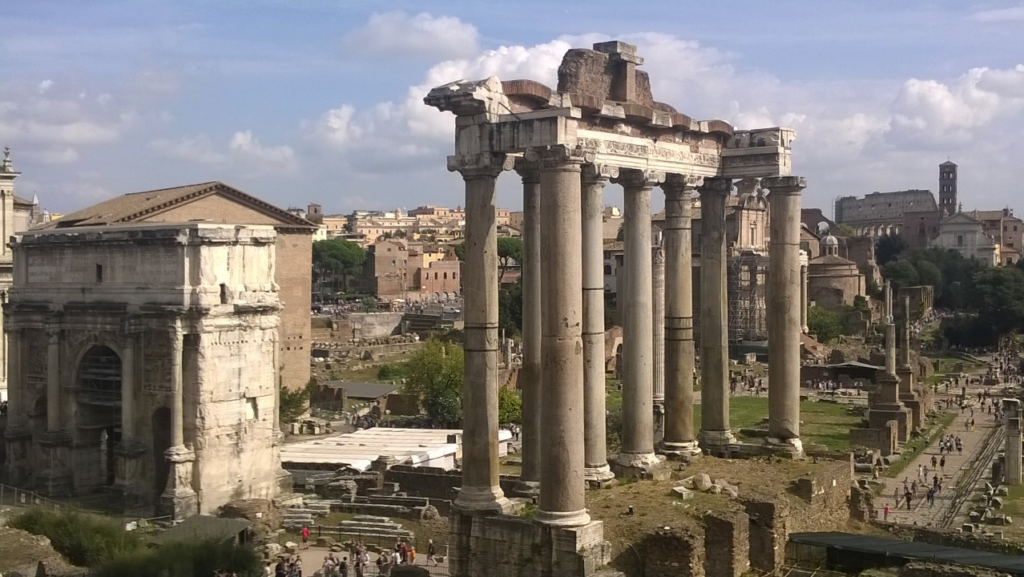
{"x": 727, "y": 535}
{"x": 682, "y": 492}
{"x": 702, "y": 482}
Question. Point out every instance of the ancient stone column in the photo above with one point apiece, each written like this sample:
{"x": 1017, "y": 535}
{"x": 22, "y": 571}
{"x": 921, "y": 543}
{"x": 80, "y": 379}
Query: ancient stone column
{"x": 803, "y": 292}
{"x": 890, "y": 333}
{"x": 658, "y": 296}
{"x": 53, "y": 417}
{"x": 17, "y": 435}
{"x": 128, "y": 389}
{"x": 715, "y": 434}
{"x": 638, "y": 324}
{"x": 179, "y": 499}
{"x": 679, "y": 350}
{"x": 530, "y": 376}
{"x": 15, "y": 407}
{"x": 784, "y": 312}
{"x": 904, "y": 345}
{"x": 480, "y": 489}
{"x": 1013, "y": 441}
{"x": 562, "y": 488}
{"x": 596, "y": 471}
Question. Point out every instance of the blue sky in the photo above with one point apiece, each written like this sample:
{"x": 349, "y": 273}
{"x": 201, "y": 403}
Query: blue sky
{"x": 316, "y": 100}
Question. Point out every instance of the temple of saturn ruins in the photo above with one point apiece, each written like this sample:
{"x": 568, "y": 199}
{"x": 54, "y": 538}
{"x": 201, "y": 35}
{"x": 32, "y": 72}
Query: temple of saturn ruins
{"x": 602, "y": 125}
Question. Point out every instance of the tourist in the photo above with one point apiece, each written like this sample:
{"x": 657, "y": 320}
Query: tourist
{"x": 931, "y": 497}
{"x": 305, "y": 536}
{"x": 380, "y": 564}
{"x": 933, "y": 461}
{"x": 907, "y": 496}
{"x": 343, "y": 567}
{"x": 935, "y": 483}
{"x": 942, "y": 465}
{"x": 431, "y": 552}
{"x": 412, "y": 555}
{"x": 885, "y": 513}
{"x": 920, "y": 471}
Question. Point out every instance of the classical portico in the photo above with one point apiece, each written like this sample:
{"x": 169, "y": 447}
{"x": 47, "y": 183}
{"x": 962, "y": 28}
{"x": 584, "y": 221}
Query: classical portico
{"x": 601, "y": 124}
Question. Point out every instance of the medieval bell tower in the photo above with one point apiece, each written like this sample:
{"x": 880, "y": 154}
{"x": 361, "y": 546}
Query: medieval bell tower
{"x": 947, "y": 189}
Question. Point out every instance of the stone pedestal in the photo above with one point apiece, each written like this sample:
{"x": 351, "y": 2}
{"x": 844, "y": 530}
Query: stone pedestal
{"x": 888, "y": 408}
{"x": 179, "y": 499}
{"x": 55, "y": 480}
{"x": 17, "y": 468}
{"x": 128, "y": 487}
{"x": 1013, "y": 473}
{"x": 715, "y": 434}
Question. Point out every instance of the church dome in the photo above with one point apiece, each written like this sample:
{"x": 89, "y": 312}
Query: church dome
{"x": 830, "y": 245}
{"x": 829, "y": 240}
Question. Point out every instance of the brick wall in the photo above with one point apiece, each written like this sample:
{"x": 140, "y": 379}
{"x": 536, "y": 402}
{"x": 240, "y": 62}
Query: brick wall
{"x": 726, "y": 533}
{"x": 673, "y": 554}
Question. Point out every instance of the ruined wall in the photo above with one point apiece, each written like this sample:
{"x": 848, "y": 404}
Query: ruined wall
{"x": 375, "y": 325}
{"x": 677, "y": 553}
{"x": 294, "y": 277}
{"x": 827, "y": 494}
{"x": 726, "y": 535}
{"x": 434, "y": 482}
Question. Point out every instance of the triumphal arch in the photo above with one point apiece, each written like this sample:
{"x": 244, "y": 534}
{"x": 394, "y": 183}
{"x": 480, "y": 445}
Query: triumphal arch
{"x": 143, "y": 364}
{"x": 601, "y": 124}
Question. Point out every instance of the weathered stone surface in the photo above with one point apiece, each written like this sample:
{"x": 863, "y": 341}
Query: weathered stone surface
{"x": 682, "y": 492}
{"x": 702, "y": 482}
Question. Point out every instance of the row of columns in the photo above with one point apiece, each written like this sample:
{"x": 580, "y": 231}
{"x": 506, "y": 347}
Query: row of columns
{"x": 563, "y": 324}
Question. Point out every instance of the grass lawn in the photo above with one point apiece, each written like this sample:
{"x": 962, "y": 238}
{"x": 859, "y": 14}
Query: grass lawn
{"x": 1013, "y": 505}
{"x": 826, "y": 424}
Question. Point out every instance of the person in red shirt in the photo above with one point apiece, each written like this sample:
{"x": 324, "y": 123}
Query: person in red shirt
{"x": 305, "y": 537}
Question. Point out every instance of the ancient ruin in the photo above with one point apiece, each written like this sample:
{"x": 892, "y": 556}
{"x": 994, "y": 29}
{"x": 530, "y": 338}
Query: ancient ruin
{"x": 603, "y": 125}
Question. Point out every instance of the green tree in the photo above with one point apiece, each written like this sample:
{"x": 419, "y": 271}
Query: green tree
{"x": 337, "y": 257}
{"x": 510, "y": 406}
{"x": 998, "y": 295}
{"x": 510, "y": 308}
{"x": 888, "y": 248}
{"x": 510, "y": 254}
{"x": 435, "y": 373}
{"x": 824, "y": 323}
{"x": 929, "y": 274}
{"x": 900, "y": 274}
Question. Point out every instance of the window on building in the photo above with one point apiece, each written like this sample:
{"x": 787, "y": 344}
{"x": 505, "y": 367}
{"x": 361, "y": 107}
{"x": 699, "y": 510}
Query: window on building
{"x": 99, "y": 273}
{"x": 607, "y": 270}
{"x": 445, "y": 276}
{"x": 959, "y": 240}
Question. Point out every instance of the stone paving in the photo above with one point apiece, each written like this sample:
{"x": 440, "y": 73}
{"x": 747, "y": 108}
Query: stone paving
{"x": 956, "y": 469}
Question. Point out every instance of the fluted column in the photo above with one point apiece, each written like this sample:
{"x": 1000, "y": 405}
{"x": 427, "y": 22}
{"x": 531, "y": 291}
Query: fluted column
{"x": 658, "y": 317}
{"x": 784, "y": 312}
{"x": 595, "y": 434}
{"x": 177, "y": 387}
{"x": 179, "y": 499}
{"x": 562, "y": 498}
{"x": 637, "y": 393}
{"x": 715, "y": 434}
{"x": 480, "y": 488}
{"x": 530, "y": 376}
{"x": 679, "y": 350}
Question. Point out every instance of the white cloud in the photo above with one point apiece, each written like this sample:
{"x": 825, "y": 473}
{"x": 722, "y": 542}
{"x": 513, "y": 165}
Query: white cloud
{"x": 45, "y": 85}
{"x": 423, "y": 35}
{"x": 243, "y": 152}
{"x": 334, "y": 128}
{"x": 1000, "y": 15}
{"x": 57, "y": 155}
{"x": 193, "y": 149}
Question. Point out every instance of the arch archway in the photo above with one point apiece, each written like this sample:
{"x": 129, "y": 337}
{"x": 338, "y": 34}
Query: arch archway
{"x": 98, "y": 416}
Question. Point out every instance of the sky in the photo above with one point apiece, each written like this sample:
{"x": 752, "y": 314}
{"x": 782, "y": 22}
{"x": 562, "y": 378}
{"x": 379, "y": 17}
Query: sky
{"x": 299, "y": 101}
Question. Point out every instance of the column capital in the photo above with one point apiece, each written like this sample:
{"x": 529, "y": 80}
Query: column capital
{"x": 640, "y": 178}
{"x": 681, "y": 182}
{"x": 528, "y": 170}
{"x": 558, "y": 155}
{"x": 52, "y": 330}
{"x": 484, "y": 164}
{"x": 599, "y": 173}
{"x": 716, "y": 185}
{"x": 784, "y": 184}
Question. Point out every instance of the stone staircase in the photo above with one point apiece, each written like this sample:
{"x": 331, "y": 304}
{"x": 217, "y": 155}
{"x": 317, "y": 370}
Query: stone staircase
{"x": 373, "y": 525}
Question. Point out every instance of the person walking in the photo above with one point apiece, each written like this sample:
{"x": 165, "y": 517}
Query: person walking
{"x": 305, "y": 536}
{"x": 942, "y": 465}
{"x": 885, "y": 513}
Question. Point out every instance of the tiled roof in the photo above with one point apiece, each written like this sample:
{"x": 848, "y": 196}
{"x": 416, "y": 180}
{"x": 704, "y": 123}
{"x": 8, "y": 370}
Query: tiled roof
{"x": 138, "y": 205}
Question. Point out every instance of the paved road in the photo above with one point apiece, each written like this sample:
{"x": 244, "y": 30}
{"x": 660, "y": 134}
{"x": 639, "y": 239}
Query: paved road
{"x": 956, "y": 471}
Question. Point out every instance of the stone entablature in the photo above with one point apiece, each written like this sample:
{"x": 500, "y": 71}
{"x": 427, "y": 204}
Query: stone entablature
{"x": 159, "y": 387}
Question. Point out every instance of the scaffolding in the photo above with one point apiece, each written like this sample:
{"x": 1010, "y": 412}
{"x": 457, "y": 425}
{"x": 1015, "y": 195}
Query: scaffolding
{"x": 747, "y": 278}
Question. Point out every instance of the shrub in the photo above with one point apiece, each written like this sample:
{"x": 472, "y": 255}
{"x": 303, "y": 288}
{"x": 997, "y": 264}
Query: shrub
{"x": 185, "y": 559}
{"x": 84, "y": 540}
{"x": 293, "y": 404}
{"x": 389, "y": 372}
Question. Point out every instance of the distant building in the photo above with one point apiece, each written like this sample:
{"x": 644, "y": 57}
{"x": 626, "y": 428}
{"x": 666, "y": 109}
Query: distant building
{"x": 966, "y": 235}
{"x": 833, "y": 281}
{"x": 881, "y": 213}
{"x": 948, "y": 205}
{"x": 386, "y": 271}
{"x": 1005, "y": 229}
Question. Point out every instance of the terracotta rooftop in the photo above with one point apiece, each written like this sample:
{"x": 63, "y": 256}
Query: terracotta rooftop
{"x": 137, "y": 206}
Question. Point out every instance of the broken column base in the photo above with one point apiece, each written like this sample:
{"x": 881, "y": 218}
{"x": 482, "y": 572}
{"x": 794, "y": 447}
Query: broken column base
{"x": 793, "y": 447}
{"x": 685, "y": 451}
{"x": 526, "y": 489}
{"x": 640, "y": 466}
{"x": 506, "y": 546}
{"x": 917, "y": 412}
{"x": 598, "y": 477}
{"x": 883, "y": 413}
{"x": 716, "y": 443}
